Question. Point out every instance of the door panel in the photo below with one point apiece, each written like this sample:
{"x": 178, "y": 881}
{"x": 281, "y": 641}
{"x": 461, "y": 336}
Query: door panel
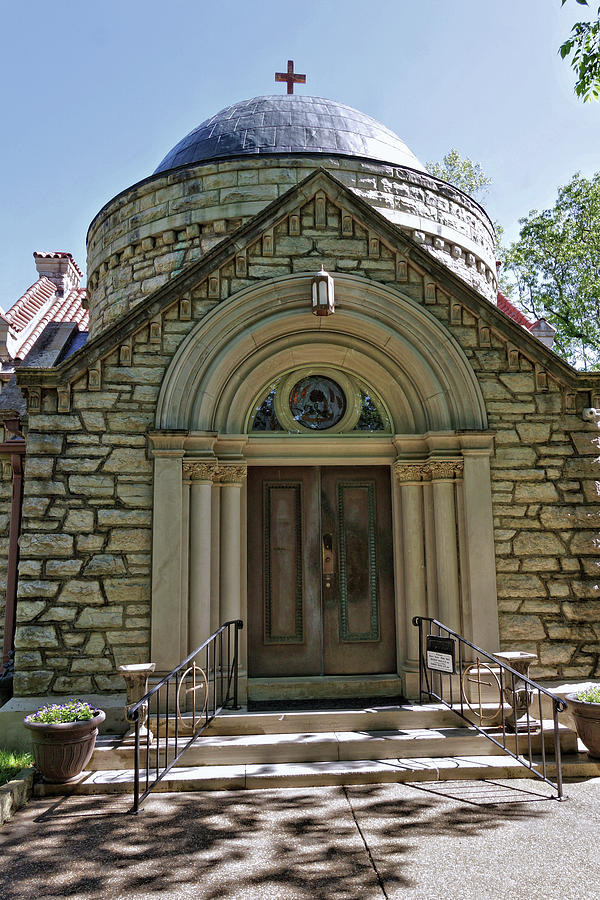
{"x": 320, "y": 572}
{"x": 284, "y": 614}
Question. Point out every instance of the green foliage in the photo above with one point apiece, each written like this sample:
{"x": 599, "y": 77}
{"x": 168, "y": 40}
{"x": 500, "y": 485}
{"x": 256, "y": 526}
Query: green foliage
{"x": 462, "y": 172}
{"x": 70, "y": 711}
{"x": 590, "y": 694}
{"x": 12, "y": 763}
{"x": 583, "y": 48}
{"x": 555, "y": 267}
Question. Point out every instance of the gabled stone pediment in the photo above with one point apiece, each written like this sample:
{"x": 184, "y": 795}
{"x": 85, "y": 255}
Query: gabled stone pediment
{"x": 318, "y": 222}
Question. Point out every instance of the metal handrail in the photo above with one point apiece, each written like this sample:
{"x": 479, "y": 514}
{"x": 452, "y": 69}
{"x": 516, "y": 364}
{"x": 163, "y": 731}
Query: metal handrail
{"x": 510, "y": 721}
{"x": 218, "y": 660}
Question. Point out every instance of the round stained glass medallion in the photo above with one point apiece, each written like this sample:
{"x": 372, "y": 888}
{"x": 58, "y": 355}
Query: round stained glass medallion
{"x": 317, "y": 402}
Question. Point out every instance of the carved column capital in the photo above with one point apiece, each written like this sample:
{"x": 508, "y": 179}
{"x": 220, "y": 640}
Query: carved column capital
{"x": 408, "y": 472}
{"x": 232, "y": 474}
{"x": 444, "y": 470}
{"x": 200, "y": 470}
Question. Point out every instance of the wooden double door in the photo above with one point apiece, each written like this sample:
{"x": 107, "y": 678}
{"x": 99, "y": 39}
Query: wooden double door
{"x": 320, "y": 571}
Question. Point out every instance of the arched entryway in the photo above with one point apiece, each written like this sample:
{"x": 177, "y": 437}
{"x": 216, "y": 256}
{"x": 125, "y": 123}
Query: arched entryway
{"x": 433, "y": 455}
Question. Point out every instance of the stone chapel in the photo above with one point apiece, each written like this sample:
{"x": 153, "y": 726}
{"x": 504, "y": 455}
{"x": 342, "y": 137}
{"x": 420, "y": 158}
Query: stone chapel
{"x": 302, "y": 403}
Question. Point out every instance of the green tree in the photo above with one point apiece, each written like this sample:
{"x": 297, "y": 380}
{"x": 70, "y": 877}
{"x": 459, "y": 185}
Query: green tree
{"x": 583, "y": 48}
{"x": 555, "y": 267}
{"x": 462, "y": 172}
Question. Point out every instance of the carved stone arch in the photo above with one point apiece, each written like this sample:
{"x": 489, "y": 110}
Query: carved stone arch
{"x": 396, "y": 345}
{"x": 437, "y": 454}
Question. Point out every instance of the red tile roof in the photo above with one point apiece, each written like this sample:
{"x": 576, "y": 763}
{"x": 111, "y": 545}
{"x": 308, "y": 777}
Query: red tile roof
{"x": 511, "y": 310}
{"x": 30, "y": 308}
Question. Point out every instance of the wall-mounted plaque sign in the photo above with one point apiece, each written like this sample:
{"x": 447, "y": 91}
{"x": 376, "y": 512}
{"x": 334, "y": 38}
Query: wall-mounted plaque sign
{"x": 441, "y": 654}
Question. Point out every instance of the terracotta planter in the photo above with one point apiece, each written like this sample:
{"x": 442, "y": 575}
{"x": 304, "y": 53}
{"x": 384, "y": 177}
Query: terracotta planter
{"x": 61, "y": 751}
{"x": 587, "y": 722}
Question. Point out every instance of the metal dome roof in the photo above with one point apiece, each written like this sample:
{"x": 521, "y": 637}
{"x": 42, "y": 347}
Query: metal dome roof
{"x": 289, "y": 123}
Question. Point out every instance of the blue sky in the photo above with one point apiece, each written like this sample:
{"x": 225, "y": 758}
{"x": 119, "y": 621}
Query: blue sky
{"x": 95, "y": 94}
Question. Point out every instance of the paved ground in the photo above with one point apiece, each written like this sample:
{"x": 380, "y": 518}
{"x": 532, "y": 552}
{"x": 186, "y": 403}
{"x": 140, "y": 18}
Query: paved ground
{"x": 454, "y": 840}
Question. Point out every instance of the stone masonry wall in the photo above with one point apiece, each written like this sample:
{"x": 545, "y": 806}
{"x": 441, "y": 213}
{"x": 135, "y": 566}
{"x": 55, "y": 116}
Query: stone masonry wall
{"x": 84, "y": 587}
{"x": 5, "y": 506}
{"x": 150, "y": 232}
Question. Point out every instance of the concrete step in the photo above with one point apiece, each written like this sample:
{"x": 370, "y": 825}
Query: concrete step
{"x": 318, "y": 774}
{"x": 298, "y": 687}
{"x": 376, "y": 718}
{"x": 266, "y": 749}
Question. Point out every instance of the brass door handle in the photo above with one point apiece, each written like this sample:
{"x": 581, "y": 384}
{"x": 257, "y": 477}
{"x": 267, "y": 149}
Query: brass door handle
{"x": 328, "y": 560}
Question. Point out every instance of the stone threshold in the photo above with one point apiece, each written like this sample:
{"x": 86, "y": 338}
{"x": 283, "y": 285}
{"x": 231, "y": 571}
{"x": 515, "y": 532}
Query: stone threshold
{"x": 320, "y": 774}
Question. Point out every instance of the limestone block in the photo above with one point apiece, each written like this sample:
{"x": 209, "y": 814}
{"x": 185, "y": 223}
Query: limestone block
{"x": 87, "y": 543}
{"x": 574, "y": 516}
{"x": 109, "y": 682}
{"x": 583, "y": 589}
{"x": 582, "y": 611}
{"x": 127, "y": 460}
{"x": 510, "y": 585}
{"x": 38, "y": 467}
{"x": 127, "y": 655}
{"x": 555, "y": 653}
{"x": 30, "y": 568}
{"x": 130, "y": 422}
{"x": 124, "y": 539}
{"x": 130, "y": 637}
{"x": 32, "y": 684}
{"x": 534, "y": 432}
{"x": 100, "y": 617}
{"x": 28, "y": 659}
{"x": 29, "y": 636}
{"x": 53, "y": 424}
{"x": 591, "y": 567}
{"x": 67, "y": 684}
{"x": 559, "y": 589}
{"x": 124, "y": 517}
{"x": 62, "y": 568}
{"x": 73, "y": 640}
{"x": 544, "y": 492}
{"x": 92, "y": 485}
{"x": 515, "y": 627}
{"x": 81, "y": 592}
{"x": 127, "y": 590}
{"x": 134, "y": 494}
{"x": 587, "y": 443}
{"x": 93, "y": 420}
{"x": 32, "y": 589}
{"x": 82, "y": 664}
{"x": 518, "y": 382}
{"x": 44, "y": 443}
{"x": 95, "y": 645}
{"x": 581, "y": 468}
{"x": 586, "y": 543}
{"x": 29, "y": 609}
{"x": 514, "y": 456}
{"x": 77, "y": 466}
{"x": 105, "y": 564}
{"x": 59, "y": 614}
{"x": 536, "y": 544}
{"x": 79, "y": 520}
{"x": 45, "y": 545}
{"x": 35, "y": 506}
{"x": 44, "y": 488}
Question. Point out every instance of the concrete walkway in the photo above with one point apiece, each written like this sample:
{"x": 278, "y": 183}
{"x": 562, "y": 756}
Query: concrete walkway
{"x": 444, "y": 840}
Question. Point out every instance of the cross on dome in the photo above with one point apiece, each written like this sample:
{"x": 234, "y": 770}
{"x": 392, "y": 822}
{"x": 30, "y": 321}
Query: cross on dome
{"x": 290, "y": 77}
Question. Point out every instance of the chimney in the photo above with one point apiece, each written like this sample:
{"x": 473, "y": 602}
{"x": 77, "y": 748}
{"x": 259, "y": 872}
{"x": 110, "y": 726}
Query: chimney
{"x": 544, "y": 332}
{"x": 60, "y": 268}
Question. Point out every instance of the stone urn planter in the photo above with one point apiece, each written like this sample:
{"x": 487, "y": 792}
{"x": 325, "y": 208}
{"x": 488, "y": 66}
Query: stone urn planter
{"x": 62, "y": 749}
{"x": 586, "y": 713}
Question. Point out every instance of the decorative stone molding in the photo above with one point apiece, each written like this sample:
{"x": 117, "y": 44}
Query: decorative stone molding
{"x": 201, "y": 471}
{"x": 428, "y": 470}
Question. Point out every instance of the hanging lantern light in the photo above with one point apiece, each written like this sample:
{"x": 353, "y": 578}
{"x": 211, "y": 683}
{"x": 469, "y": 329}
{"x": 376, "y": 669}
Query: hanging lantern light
{"x": 323, "y": 301}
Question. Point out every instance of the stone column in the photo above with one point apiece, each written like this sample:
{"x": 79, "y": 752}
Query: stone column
{"x": 481, "y": 561}
{"x": 169, "y": 582}
{"x": 443, "y": 474}
{"x": 201, "y": 475}
{"x": 231, "y": 477}
{"x": 408, "y": 475}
